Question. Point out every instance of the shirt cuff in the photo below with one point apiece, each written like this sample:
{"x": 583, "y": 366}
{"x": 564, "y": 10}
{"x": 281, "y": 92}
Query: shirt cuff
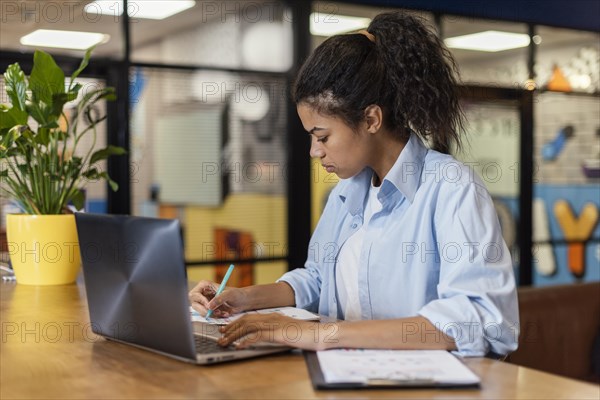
{"x": 302, "y": 293}
{"x": 457, "y": 318}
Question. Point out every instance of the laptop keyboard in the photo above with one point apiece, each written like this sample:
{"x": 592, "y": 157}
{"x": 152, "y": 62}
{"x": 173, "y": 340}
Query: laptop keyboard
{"x": 205, "y": 345}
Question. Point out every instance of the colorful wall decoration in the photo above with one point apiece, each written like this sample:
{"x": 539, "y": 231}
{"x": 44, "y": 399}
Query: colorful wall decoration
{"x": 566, "y": 234}
{"x": 566, "y": 205}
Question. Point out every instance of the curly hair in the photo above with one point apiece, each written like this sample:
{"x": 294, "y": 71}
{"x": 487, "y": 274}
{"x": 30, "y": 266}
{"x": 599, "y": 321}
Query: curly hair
{"x": 407, "y": 71}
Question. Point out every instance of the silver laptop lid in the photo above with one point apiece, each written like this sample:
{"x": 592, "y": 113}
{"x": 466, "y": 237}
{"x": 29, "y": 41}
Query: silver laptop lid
{"x": 136, "y": 283}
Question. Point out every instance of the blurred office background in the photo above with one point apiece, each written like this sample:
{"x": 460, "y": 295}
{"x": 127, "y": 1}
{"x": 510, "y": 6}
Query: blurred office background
{"x": 204, "y": 110}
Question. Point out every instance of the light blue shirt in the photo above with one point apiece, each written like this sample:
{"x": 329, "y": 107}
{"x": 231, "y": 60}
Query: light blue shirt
{"x": 435, "y": 250}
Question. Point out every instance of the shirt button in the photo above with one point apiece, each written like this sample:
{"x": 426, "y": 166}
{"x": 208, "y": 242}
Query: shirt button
{"x": 354, "y": 226}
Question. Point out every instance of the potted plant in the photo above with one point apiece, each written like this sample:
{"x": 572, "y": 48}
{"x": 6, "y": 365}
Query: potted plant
{"x": 42, "y": 168}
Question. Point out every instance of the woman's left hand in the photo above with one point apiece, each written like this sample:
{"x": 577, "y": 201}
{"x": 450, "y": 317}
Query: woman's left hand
{"x": 276, "y": 328}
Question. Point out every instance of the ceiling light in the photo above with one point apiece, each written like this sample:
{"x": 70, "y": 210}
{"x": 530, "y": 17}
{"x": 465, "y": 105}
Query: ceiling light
{"x": 325, "y": 24}
{"x": 490, "y": 41}
{"x": 64, "y": 39}
{"x": 147, "y": 9}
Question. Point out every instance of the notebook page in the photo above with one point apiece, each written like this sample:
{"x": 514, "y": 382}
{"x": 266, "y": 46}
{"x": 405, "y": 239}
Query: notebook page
{"x": 293, "y": 312}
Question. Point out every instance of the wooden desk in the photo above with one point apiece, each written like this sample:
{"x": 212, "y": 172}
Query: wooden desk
{"x": 48, "y": 351}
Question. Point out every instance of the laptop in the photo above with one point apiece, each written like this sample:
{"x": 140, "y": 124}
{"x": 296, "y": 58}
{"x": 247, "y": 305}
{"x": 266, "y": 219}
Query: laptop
{"x": 137, "y": 289}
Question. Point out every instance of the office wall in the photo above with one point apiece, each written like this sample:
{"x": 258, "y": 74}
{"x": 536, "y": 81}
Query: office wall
{"x": 263, "y": 224}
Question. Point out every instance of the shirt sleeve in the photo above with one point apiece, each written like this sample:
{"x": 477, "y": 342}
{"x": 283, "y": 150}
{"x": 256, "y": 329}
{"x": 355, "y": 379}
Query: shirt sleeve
{"x": 477, "y": 300}
{"x": 306, "y": 282}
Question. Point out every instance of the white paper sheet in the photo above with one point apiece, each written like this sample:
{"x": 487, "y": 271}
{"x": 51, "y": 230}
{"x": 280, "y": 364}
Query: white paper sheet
{"x": 362, "y": 366}
{"x": 293, "y": 312}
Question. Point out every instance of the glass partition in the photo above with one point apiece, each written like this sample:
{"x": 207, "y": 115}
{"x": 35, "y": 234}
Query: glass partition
{"x": 566, "y": 234}
{"x": 63, "y": 19}
{"x": 208, "y": 147}
{"x": 490, "y": 53}
{"x": 228, "y": 34}
{"x": 567, "y": 60}
{"x": 330, "y": 18}
{"x": 492, "y": 149}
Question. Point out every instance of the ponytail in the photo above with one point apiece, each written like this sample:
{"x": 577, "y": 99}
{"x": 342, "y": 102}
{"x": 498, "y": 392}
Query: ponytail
{"x": 403, "y": 67}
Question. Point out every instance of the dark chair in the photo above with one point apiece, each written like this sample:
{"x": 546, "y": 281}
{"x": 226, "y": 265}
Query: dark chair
{"x": 560, "y": 328}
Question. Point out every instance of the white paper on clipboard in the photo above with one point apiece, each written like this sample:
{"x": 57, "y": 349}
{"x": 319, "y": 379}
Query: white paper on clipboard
{"x": 437, "y": 367}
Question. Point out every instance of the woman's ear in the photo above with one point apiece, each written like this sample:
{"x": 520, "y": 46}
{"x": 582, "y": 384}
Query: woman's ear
{"x": 373, "y": 118}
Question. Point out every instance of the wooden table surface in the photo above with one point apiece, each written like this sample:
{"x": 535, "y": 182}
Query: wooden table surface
{"x": 49, "y": 351}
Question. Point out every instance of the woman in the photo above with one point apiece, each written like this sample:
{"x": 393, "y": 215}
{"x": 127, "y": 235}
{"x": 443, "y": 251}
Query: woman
{"x": 408, "y": 253}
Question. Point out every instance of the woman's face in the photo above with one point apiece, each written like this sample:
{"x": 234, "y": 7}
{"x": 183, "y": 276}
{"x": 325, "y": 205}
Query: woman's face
{"x": 340, "y": 149}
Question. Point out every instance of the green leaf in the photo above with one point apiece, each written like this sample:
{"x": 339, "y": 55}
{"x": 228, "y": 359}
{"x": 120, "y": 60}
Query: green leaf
{"x": 109, "y": 94}
{"x": 58, "y": 135}
{"x": 107, "y": 152}
{"x": 39, "y": 176}
{"x": 99, "y": 94}
{"x": 40, "y": 111}
{"x": 12, "y": 152}
{"x": 23, "y": 169}
{"x": 11, "y": 117}
{"x": 76, "y": 88}
{"x": 16, "y": 86}
{"x": 16, "y": 131}
{"x": 46, "y": 79}
{"x": 91, "y": 174}
{"x": 59, "y": 100}
{"x": 76, "y": 160}
{"x": 43, "y": 136}
{"x": 82, "y": 66}
{"x": 51, "y": 125}
{"x": 26, "y": 137}
{"x": 78, "y": 199}
{"x": 113, "y": 185}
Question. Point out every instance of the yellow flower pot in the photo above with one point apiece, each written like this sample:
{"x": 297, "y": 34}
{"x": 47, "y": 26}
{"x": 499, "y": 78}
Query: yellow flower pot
{"x": 43, "y": 249}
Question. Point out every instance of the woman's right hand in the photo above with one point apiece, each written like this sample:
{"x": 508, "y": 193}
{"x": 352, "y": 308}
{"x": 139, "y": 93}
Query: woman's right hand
{"x": 230, "y": 301}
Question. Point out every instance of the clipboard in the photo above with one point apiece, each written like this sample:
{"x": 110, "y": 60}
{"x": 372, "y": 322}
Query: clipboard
{"x": 320, "y": 383}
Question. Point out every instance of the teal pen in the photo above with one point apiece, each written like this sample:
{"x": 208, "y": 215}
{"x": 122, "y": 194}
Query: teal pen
{"x": 222, "y": 287}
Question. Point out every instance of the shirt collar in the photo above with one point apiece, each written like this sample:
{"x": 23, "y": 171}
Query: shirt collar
{"x": 355, "y": 189}
{"x": 404, "y": 176}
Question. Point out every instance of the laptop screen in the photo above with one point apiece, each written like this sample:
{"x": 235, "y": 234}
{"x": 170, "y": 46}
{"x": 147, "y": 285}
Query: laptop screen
{"x": 136, "y": 282}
